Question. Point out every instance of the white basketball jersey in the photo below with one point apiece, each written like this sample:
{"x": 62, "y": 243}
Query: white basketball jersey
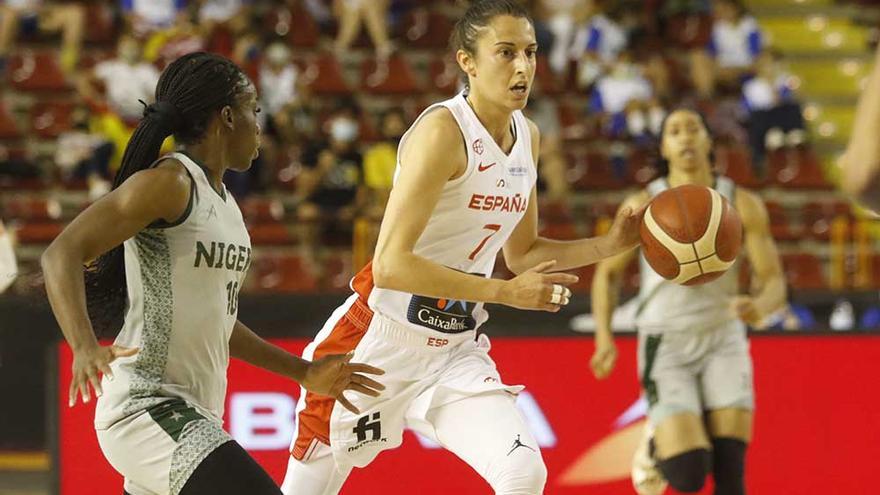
{"x": 667, "y": 306}
{"x": 472, "y": 220}
{"x": 183, "y": 283}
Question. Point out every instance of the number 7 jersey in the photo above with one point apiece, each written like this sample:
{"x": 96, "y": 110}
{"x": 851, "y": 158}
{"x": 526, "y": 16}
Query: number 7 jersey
{"x": 473, "y": 218}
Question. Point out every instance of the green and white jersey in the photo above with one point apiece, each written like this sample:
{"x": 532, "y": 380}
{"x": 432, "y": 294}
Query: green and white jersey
{"x": 665, "y": 306}
{"x": 183, "y": 281}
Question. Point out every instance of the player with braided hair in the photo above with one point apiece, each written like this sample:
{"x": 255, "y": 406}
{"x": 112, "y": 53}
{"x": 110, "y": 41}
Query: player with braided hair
{"x": 171, "y": 251}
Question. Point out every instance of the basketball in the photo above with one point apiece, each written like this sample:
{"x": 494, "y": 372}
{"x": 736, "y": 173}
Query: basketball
{"x": 690, "y": 234}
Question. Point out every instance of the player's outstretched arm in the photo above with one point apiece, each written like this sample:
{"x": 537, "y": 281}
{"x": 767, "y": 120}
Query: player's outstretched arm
{"x": 330, "y": 375}
{"x": 604, "y": 297}
{"x": 433, "y": 154}
{"x": 769, "y": 291}
{"x": 150, "y": 195}
{"x": 525, "y": 248}
{"x": 860, "y": 163}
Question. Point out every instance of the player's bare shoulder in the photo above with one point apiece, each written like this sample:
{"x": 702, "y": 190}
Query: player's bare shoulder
{"x": 435, "y": 140}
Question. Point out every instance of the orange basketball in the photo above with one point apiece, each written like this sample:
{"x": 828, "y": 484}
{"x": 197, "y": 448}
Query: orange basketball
{"x": 690, "y": 234}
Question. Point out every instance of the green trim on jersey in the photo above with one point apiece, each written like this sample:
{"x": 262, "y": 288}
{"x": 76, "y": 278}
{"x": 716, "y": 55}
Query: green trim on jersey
{"x": 652, "y": 344}
{"x": 205, "y": 170}
{"x": 173, "y": 415}
{"x": 154, "y": 257}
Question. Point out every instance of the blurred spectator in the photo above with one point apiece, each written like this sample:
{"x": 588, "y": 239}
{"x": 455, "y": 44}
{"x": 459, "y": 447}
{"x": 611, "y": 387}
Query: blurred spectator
{"x": 17, "y": 167}
{"x": 544, "y": 111}
{"x": 775, "y": 116}
{"x": 30, "y": 16}
{"x": 126, "y": 80}
{"x": 8, "y": 265}
{"x": 223, "y": 22}
{"x": 626, "y": 101}
{"x": 597, "y": 45}
{"x": 791, "y": 317}
{"x": 81, "y": 154}
{"x": 561, "y": 18}
{"x": 145, "y": 17}
{"x": 380, "y": 161}
{"x": 281, "y": 91}
{"x": 735, "y": 44}
{"x": 351, "y": 14}
{"x": 331, "y": 182}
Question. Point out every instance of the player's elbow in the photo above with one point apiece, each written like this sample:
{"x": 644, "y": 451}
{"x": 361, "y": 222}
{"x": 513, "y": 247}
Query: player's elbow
{"x": 516, "y": 264}
{"x": 385, "y": 272}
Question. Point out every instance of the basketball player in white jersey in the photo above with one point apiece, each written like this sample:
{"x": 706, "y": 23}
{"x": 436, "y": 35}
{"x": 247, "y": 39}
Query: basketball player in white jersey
{"x": 464, "y": 190}
{"x": 172, "y": 251}
{"x": 861, "y": 160}
{"x": 694, "y": 361}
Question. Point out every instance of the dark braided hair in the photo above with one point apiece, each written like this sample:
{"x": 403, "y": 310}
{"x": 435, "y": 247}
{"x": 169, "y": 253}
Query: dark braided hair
{"x": 189, "y": 93}
{"x": 662, "y": 164}
{"x": 480, "y": 13}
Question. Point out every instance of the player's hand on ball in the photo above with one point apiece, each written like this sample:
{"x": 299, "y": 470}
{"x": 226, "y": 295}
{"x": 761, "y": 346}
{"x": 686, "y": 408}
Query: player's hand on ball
{"x": 538, "y": 290}
{"x": 745, "y": 309}
{"x": 88, "y": 365}
{"x": 604, "y": 357}
{"x": 624, "y": 232}
{"x": 334, "y": 374}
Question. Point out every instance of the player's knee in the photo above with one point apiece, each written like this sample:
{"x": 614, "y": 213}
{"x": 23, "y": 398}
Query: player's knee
{"x": 526, "y": 476}
{"x": 687, "y": 472}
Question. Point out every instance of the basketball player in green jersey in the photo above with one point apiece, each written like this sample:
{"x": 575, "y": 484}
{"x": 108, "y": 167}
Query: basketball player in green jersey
{"x": 693, "y": 353}
{"x": 171, "y": 252}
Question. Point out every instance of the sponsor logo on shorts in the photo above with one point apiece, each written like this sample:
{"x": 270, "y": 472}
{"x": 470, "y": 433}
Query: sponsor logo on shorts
{"x": 443, "y": 315}
{"x": 369, "y": 424}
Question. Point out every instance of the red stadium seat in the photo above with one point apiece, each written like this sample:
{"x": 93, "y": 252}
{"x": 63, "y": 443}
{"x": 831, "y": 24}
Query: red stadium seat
{"x": 50, "y": 118}
{"x": 427, "y": 30}
{"x": 304, "y": 32}
{"x": 585, "y": 279}
{"x": 444, "y": 75}
{"x": 282, "y": 273}
{"x": 594, "y": 172}
{"x": 736, "y": 164}
{"x": 818, "y": 215}
{"x": 101, "y": 22}
{"x": 550, "y": 84}
{"x": 38, "y": 232}
{"x": 8, "y": 126}
{"x": 797, "y": 169}
{"x": 32, "y": 209}
{"x": 36, "y": 71}
{"x": 324, "y": 76}
{"x": 396, "y": 78}
{"x": 337, "y": 272}
{"x": 270, "y": 234}
{"x": 262, "y": 210}
{"x": 780, "y": 226}
{"x": 804, "y": 271}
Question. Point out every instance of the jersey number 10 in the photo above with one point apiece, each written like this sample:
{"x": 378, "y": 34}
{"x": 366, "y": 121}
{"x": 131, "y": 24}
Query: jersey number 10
{"x": 231, "y": 298}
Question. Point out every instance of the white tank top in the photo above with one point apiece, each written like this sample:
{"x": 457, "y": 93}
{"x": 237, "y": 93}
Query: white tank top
{"x": 183, "y": 283}
{"x": 472, "y": 220}
{"x": 666, "y": 306}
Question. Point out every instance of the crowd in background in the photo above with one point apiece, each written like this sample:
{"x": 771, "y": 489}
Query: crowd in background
{"x": 629, "y": 62}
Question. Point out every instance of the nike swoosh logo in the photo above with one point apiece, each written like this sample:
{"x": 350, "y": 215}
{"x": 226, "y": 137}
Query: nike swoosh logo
{"x": 483, "y": 168}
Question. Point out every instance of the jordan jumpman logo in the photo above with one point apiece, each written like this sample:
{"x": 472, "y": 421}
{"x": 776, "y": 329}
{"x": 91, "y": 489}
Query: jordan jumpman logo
{"x": 517, "y": 444}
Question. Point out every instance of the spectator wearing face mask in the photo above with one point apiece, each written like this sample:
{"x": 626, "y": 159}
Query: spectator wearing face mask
{"x": 82, "y": 154}
{"x": 331, "y": 182}
{"x": 115, "y": 86}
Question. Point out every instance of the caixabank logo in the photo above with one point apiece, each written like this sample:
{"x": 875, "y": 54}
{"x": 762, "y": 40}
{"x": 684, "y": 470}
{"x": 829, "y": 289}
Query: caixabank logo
{"x": 443, "y": 315}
